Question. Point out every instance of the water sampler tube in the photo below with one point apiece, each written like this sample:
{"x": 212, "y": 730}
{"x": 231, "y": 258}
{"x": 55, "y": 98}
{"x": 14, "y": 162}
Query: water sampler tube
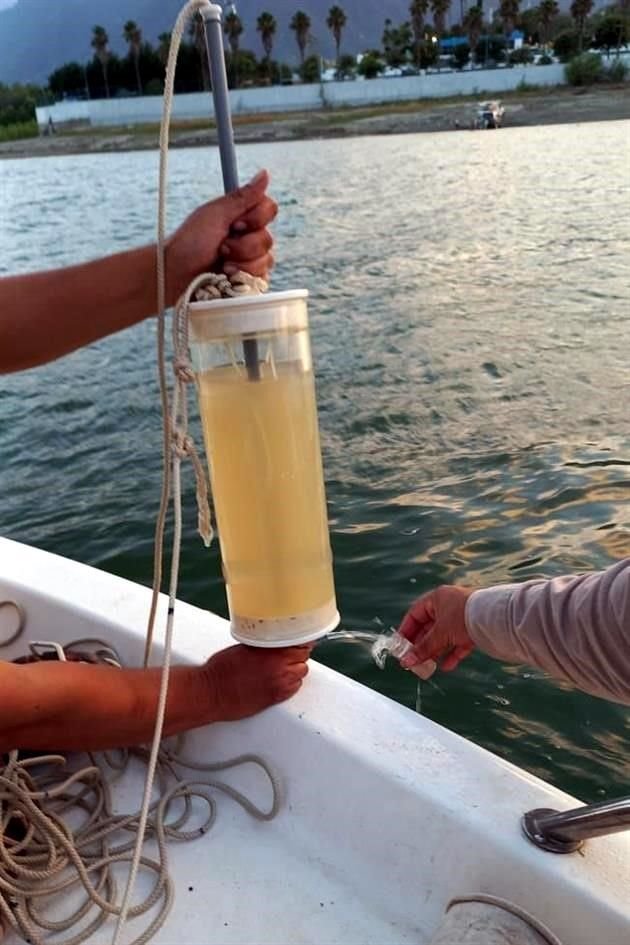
{"x": 262, "y": 441}
{"x": 253, "y": 368}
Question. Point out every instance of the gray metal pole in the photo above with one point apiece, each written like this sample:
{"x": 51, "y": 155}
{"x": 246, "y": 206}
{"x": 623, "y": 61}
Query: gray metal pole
{"x": 218, "y": 77}
{"x": 225, "y": 133}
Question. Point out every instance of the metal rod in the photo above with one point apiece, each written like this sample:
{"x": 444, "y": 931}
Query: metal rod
{"x": 225, "y": 133}
{"x": 566, "y": 831}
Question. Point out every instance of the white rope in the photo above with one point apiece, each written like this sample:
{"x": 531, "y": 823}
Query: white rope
{"x": 484, "y": 898}
{"x": 191, "y": 7}
{"x": 19, "y": 623}
{"x": 35, "y": 867}
{"x": 177, "y": 444}
{"x": 51, "y": 859}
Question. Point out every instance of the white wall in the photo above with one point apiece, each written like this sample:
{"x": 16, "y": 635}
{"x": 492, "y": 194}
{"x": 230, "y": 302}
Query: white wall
{"x": 63, "y": 112}
{"x": 281, "y": 98}
{"x": 440, "y": 85}
{"x": 276, "y": 98}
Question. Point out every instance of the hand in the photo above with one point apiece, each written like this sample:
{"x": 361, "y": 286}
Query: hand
{"x": 234, "y": 227}
{"x": 436, "y": 625}
{"x": 245, "y": 680}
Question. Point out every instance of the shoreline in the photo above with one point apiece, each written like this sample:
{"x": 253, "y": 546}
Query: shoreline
{"x": 540, "y": 106}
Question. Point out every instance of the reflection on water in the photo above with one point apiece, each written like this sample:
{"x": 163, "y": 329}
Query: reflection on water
{"x": 470, "y": 325}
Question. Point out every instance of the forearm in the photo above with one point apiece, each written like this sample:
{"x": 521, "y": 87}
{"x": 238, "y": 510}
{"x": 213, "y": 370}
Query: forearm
{"x": 78, "y": 706}
{"x": 48, "y": 314}
{"x": 575, "y": 628}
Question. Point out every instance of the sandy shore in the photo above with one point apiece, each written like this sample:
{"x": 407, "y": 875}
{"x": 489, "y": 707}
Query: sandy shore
{"x": 538, "y": 107}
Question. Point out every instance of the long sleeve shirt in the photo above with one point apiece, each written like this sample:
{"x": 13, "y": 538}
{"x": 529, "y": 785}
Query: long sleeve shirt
{"x": 575, "y": 628}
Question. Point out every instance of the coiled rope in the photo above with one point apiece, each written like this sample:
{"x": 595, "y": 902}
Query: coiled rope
{"x": 43, "y": 858}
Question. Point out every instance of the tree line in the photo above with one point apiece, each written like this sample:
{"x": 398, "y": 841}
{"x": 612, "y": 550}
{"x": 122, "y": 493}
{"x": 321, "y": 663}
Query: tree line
{"x": 141, "y": 71}
{"x": 414, "y": 43}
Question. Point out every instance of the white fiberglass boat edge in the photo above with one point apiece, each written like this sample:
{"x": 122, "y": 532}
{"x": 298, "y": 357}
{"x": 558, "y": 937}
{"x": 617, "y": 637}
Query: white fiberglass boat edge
{"x": 386, "y": 816}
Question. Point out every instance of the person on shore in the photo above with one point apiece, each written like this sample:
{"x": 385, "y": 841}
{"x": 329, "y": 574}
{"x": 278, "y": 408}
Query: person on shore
{"x": 43, "y": 315}
{"x": 575, "y": 628}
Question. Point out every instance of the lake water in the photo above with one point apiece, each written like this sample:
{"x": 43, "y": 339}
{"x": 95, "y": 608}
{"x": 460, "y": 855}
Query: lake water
{"x": 470, "y": 320}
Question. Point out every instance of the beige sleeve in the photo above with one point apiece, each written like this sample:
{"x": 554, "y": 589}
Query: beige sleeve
{"x": 575, "y": 628}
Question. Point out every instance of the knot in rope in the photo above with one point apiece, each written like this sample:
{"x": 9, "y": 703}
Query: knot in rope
{"x": 183, "y": 370}
{"x": 183, "y": 444}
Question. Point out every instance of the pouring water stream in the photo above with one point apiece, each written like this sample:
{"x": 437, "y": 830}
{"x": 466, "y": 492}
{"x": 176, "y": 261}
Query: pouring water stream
{"x": 382, "y": 645}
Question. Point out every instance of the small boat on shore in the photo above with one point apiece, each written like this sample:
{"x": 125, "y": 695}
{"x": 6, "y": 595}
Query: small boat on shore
{"x": 489, "y": 115}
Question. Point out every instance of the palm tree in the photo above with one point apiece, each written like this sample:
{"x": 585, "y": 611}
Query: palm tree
{"x": 439, "y": 9}
{"x": 473, "y": 24}
{"x": 233, "y": 27}
{"x": 580, "y": 11}
{"x": 301, "y": 26}
{"x": 100, "y": 43}
{"x": 335, "y": 22}
{"x": 197, "y": 33}
{"x": 547, "y": 12}
{"x": 508, "y": 11}
{"x": 164, "y": 40}
{"x": 266, "y": 26}
{"x": 417, "y": 11}
{"x": 132, "y": 34}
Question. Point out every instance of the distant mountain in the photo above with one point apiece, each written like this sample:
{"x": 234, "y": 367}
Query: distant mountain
{"x": 36, "y": 36}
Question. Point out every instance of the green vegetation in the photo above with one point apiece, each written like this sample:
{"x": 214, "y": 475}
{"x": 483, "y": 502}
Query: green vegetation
{"x": 370, "y": 65}
{"x": 267, "y": 26}
{"x": 547, "y": 12}
{"x": 17, "y": 103}
{"x": 233, "y": 27}
{"x": 580, "y": 11}
{"x": 301, "y": 26}
{"x": 473, "y": 26}
{"x": 585, "y": 69}
{"x": 310, "y": 70}
{"x": 588, "y": 68}
{"x": 346, "y": 67}
{"x": 396, "y": 42}
{"x": 521, "y": 57}
{"x": 17, "y": 110}
{"x": 18, "y": 130}
{"x": 566, "y": 45}
{"x": 509, "y": 14}
{"x": 612, "y": 30}
{"x": 336, "y": 22}
{"x": 418, "y": 10}
{"x": 461, "y": 56}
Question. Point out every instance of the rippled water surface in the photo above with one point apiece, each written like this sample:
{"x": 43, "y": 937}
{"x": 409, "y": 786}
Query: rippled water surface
{"x": 470, "y": 319}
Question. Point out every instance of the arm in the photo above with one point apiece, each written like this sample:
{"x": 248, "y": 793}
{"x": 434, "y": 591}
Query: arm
{"x": 81, "y": 707}
{"x": 44, "y": 315}
{"x": 575, "y": 628}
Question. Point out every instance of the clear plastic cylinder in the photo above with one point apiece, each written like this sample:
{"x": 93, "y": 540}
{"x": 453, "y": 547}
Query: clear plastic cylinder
{"x": 252, "y": 362}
